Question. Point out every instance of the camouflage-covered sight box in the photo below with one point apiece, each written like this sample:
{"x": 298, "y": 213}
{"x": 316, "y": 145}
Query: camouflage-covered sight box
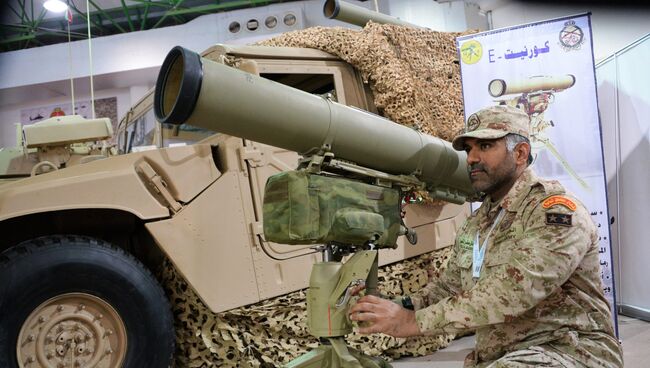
{"x": 304, "y": 208}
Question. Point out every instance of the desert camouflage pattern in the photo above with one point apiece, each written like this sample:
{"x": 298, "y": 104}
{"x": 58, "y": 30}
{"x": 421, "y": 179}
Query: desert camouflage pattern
{"x": 304, "y": 208}
{"x": 414, "y": 73}
{"x": 539, "y": 286}
{"x": 535, "y": 356}
{"x": 494, "y": 122}
{"x": 274, "y": 332}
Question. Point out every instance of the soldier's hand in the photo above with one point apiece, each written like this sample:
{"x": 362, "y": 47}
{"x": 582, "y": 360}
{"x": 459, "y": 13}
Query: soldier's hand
{"x": 382, "y": 315}
{"x": 357, "y": 289}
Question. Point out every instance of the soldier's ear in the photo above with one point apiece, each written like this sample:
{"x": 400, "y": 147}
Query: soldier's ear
{"x": 522, "y": 153}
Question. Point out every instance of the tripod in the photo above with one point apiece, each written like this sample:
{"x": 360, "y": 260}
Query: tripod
{"x": 330, "y": 291}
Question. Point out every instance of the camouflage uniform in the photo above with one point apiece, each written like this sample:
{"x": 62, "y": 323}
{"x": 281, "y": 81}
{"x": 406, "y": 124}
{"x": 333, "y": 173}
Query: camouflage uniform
{"x": 538, "y": 299}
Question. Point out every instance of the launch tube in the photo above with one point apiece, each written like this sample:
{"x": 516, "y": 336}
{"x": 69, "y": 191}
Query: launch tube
{"x": 500, "y": 87}
{"x": 214, "y": 96}
{"x": 357, "y": 15}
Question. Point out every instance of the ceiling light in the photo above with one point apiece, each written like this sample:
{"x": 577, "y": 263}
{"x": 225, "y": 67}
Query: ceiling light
{"x": 55, "y": 6}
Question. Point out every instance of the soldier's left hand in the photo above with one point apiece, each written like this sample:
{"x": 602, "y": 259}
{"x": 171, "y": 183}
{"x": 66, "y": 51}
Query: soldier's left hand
{"x": 382, "y": 315}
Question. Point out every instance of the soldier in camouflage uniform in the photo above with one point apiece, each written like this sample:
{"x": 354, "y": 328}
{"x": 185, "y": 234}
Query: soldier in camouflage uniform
{"x": 525, "y": 275}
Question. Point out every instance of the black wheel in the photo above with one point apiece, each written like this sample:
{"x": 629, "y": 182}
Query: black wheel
{"x": 82, "y": 302}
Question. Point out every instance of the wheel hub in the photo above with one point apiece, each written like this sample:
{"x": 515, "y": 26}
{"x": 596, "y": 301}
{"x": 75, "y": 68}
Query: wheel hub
{"x": 72, "y": 330}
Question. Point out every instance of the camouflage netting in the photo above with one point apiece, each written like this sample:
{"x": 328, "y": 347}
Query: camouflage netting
{"x": 274, "y": 332}
{"x": 414, "y": 74}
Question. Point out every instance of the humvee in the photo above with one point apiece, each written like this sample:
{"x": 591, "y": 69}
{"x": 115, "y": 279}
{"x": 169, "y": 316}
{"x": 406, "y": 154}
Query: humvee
{"x": 81, "y": 245}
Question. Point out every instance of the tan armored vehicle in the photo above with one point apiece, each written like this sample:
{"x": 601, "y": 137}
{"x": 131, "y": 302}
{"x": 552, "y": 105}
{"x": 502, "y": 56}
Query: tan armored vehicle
{"x": 53, "y": 144}
{"x": 81, "y": 245}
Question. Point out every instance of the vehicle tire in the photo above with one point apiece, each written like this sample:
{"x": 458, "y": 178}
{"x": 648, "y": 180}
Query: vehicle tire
{"x": 81, "y": 301}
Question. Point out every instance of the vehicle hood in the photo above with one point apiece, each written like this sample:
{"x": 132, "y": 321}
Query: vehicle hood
{"x": 117, "y": 182}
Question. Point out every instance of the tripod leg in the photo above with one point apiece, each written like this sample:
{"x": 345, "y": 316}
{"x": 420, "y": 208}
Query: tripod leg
{"x": 353, "y": 358}
{"x": 336, "y": 354}
{"x": 317, "y": 358}
{"x": 342, "y": 354}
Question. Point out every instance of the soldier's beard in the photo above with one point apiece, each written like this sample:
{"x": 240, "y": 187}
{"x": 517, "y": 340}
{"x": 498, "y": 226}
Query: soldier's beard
{"x": 492, "y": 179}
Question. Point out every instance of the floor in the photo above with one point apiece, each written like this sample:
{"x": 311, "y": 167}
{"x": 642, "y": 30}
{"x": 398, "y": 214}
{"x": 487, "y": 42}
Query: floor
{"x": 634, "y": 333}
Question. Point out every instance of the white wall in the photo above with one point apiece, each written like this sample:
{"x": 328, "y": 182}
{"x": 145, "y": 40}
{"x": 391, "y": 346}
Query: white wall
{"x": 624, "y": 102}
{"x": 449, "y": 17}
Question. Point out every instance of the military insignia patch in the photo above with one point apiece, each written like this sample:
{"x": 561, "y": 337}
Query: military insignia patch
{"x": 558, "y": 219}
{"x": 559, "y": 200}
{"x": 473, "y": 122}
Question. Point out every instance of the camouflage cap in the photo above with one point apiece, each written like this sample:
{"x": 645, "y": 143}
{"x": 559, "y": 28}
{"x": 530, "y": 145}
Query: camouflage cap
{"x": 494, "y": 122}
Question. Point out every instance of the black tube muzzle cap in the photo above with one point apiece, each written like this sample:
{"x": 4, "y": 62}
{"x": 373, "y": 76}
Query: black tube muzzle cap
{"x": 178, "y": 86}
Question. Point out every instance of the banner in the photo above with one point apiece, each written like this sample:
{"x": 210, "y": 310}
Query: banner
{"x": 547, "y": 70}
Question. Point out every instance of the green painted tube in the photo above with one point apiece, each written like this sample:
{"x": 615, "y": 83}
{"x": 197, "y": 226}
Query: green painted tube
{"x": 357, "y": 15}
{"x": 211, "y": 95}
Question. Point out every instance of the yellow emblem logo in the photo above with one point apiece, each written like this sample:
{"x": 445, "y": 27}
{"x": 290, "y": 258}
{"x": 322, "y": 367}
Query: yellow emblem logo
{"x": 563, "y": 201}
{"x": 471, "y": 52}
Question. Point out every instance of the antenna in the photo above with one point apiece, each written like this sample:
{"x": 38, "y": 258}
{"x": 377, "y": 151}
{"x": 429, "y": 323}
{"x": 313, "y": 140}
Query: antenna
{"x": 68, "y": 16}
{"x": 90, "y": 62}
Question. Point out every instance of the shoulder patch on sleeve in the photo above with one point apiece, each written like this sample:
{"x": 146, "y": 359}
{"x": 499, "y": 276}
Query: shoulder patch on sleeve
{"x": 558, "y": 219}
{"x": 559, "y": 200}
